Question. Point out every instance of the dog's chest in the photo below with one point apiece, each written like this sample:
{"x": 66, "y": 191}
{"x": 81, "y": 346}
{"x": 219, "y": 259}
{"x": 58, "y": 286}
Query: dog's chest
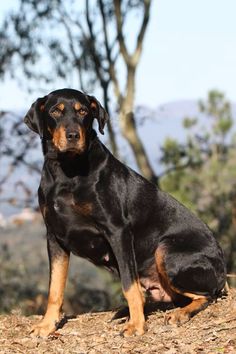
{"x": 68, "y": 207}
{"x": 71, "y": 220}
{"x": 67, "y": 203}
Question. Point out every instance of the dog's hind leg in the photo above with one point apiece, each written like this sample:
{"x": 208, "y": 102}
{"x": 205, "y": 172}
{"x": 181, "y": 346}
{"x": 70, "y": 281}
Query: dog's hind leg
{"x": 195, "y": 302}
{"x": 182, "y": 315}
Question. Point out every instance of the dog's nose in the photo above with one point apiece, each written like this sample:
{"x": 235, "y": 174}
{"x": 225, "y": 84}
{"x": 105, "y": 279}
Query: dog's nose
{"x": 72, "y": 135}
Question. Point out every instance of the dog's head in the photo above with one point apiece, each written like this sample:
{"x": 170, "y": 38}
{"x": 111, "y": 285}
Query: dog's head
{"x": 65, "y": 117}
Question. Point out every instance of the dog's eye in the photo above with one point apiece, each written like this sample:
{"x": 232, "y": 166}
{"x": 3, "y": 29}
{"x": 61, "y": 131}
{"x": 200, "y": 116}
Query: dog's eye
{"x": 56, "y": 113}
{"x": 82, "y": 112}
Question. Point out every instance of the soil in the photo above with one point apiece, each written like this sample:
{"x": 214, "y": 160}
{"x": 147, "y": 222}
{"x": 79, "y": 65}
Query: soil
{"x": 211, "y": 331}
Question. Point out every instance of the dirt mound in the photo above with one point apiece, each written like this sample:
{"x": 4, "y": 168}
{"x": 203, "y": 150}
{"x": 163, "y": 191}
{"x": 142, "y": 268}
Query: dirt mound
{"x": 211, "y": 331}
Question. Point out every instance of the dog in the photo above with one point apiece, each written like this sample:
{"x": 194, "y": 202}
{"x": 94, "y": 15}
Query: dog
{"x": 96, "y": 207}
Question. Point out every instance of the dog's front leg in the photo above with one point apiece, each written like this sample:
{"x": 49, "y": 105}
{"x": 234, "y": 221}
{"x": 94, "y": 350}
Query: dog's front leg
{"x": 123, "y": 248}
{"x": 59, "y": 261}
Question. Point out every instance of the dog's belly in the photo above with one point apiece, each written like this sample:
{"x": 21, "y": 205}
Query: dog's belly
{"x": 89, "y": 244}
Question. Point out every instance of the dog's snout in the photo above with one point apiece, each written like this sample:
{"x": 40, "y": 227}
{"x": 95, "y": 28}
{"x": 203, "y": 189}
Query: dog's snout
{"x": 72, "y": 135}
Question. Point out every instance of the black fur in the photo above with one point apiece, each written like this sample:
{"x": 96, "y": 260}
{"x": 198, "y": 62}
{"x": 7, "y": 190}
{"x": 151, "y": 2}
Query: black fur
{"x": 97, "y": 208}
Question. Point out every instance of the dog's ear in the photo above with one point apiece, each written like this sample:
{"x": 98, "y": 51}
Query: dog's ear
{"x": 33, "y": 118}
{"x": 99, "y": 113}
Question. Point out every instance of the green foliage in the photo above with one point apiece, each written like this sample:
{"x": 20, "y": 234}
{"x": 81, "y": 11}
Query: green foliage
{"x": 218, "y": 109}
{"x": 189, "y": 122}
{"x": 171, "y": 152}
{"x": 203, "y": 176}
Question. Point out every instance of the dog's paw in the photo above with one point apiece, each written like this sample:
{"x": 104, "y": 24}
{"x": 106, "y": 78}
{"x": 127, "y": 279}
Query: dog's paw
{"x": 131, "y": 329}
{"x": 43, "y": 329}
{"x": 177, "y": 317}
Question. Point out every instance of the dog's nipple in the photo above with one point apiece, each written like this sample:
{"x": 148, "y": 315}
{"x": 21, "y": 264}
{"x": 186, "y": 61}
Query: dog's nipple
{"x": 56, "y": 207}
{"x": 106, "y": 257}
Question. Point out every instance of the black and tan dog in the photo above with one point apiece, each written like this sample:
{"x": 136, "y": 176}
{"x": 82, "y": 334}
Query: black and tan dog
{"x": 97, "y": 208}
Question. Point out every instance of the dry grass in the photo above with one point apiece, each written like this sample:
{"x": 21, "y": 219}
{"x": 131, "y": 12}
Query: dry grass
{"x": 211, "y": 331}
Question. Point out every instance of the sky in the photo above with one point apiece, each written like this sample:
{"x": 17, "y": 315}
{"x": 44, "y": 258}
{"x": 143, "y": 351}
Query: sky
{"x": 190, "y": 47}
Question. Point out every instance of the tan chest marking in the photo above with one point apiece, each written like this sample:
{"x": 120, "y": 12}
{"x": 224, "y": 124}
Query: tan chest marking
{"x": 83, "y": 208}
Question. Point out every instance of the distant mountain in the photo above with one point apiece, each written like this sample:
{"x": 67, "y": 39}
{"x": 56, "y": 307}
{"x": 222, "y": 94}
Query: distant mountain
{"x": 166, "y": 121}
{"x": 177, "y": 109}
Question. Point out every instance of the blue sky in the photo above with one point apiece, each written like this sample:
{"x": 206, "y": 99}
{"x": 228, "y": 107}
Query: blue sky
{"x": 190, "y": 48}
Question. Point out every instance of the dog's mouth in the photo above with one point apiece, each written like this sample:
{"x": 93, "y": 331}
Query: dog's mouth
{"x": 72, "y": 149}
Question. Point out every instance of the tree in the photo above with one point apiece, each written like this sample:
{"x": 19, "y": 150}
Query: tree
{"x": 201, "y": 173}
{"x": 63, "y": 40}
{"x": 18, "y": 150}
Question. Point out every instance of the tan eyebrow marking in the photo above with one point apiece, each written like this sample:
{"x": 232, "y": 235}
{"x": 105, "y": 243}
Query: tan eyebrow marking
{"x": 61, "y": 106}
{"x": 77, "y": 106}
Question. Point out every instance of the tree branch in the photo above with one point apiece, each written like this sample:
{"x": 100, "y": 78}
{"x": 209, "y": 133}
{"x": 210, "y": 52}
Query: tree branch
{"x": 140, "y": 38}
{"x": 111, "y": 61}
{"x": 93, "y": 51}
{"x": 77, "y": 61}
{"x": 180, "y": 167}
{"x": 131, "y": 60}
{"x": 120, "y": 35}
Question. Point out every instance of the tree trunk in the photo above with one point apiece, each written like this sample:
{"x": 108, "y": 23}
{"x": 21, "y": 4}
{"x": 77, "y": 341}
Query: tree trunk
{"x": 126, "y": 100}
{"x": 111, "y": 133}
{"x": 129, "y": 129}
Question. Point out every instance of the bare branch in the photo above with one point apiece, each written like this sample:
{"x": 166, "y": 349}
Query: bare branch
{"x": 131, "y": 59}
{"x": 11, "y": 169}
{"x": 140, "y": 38}
{"x": 97, "y": 62}
{"x": 120, "y": 35}
{"x": 111, "y": 62}
{"x": 179, "y": 168}
{"x": 63, "y": 17}
{"x": 100, "y": 70}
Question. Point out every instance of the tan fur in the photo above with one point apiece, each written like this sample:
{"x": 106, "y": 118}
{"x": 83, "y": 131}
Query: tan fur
{"x": 135, "y": 299}
{"x": 55, "y": 299}
{"x": 184, "y": 314}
